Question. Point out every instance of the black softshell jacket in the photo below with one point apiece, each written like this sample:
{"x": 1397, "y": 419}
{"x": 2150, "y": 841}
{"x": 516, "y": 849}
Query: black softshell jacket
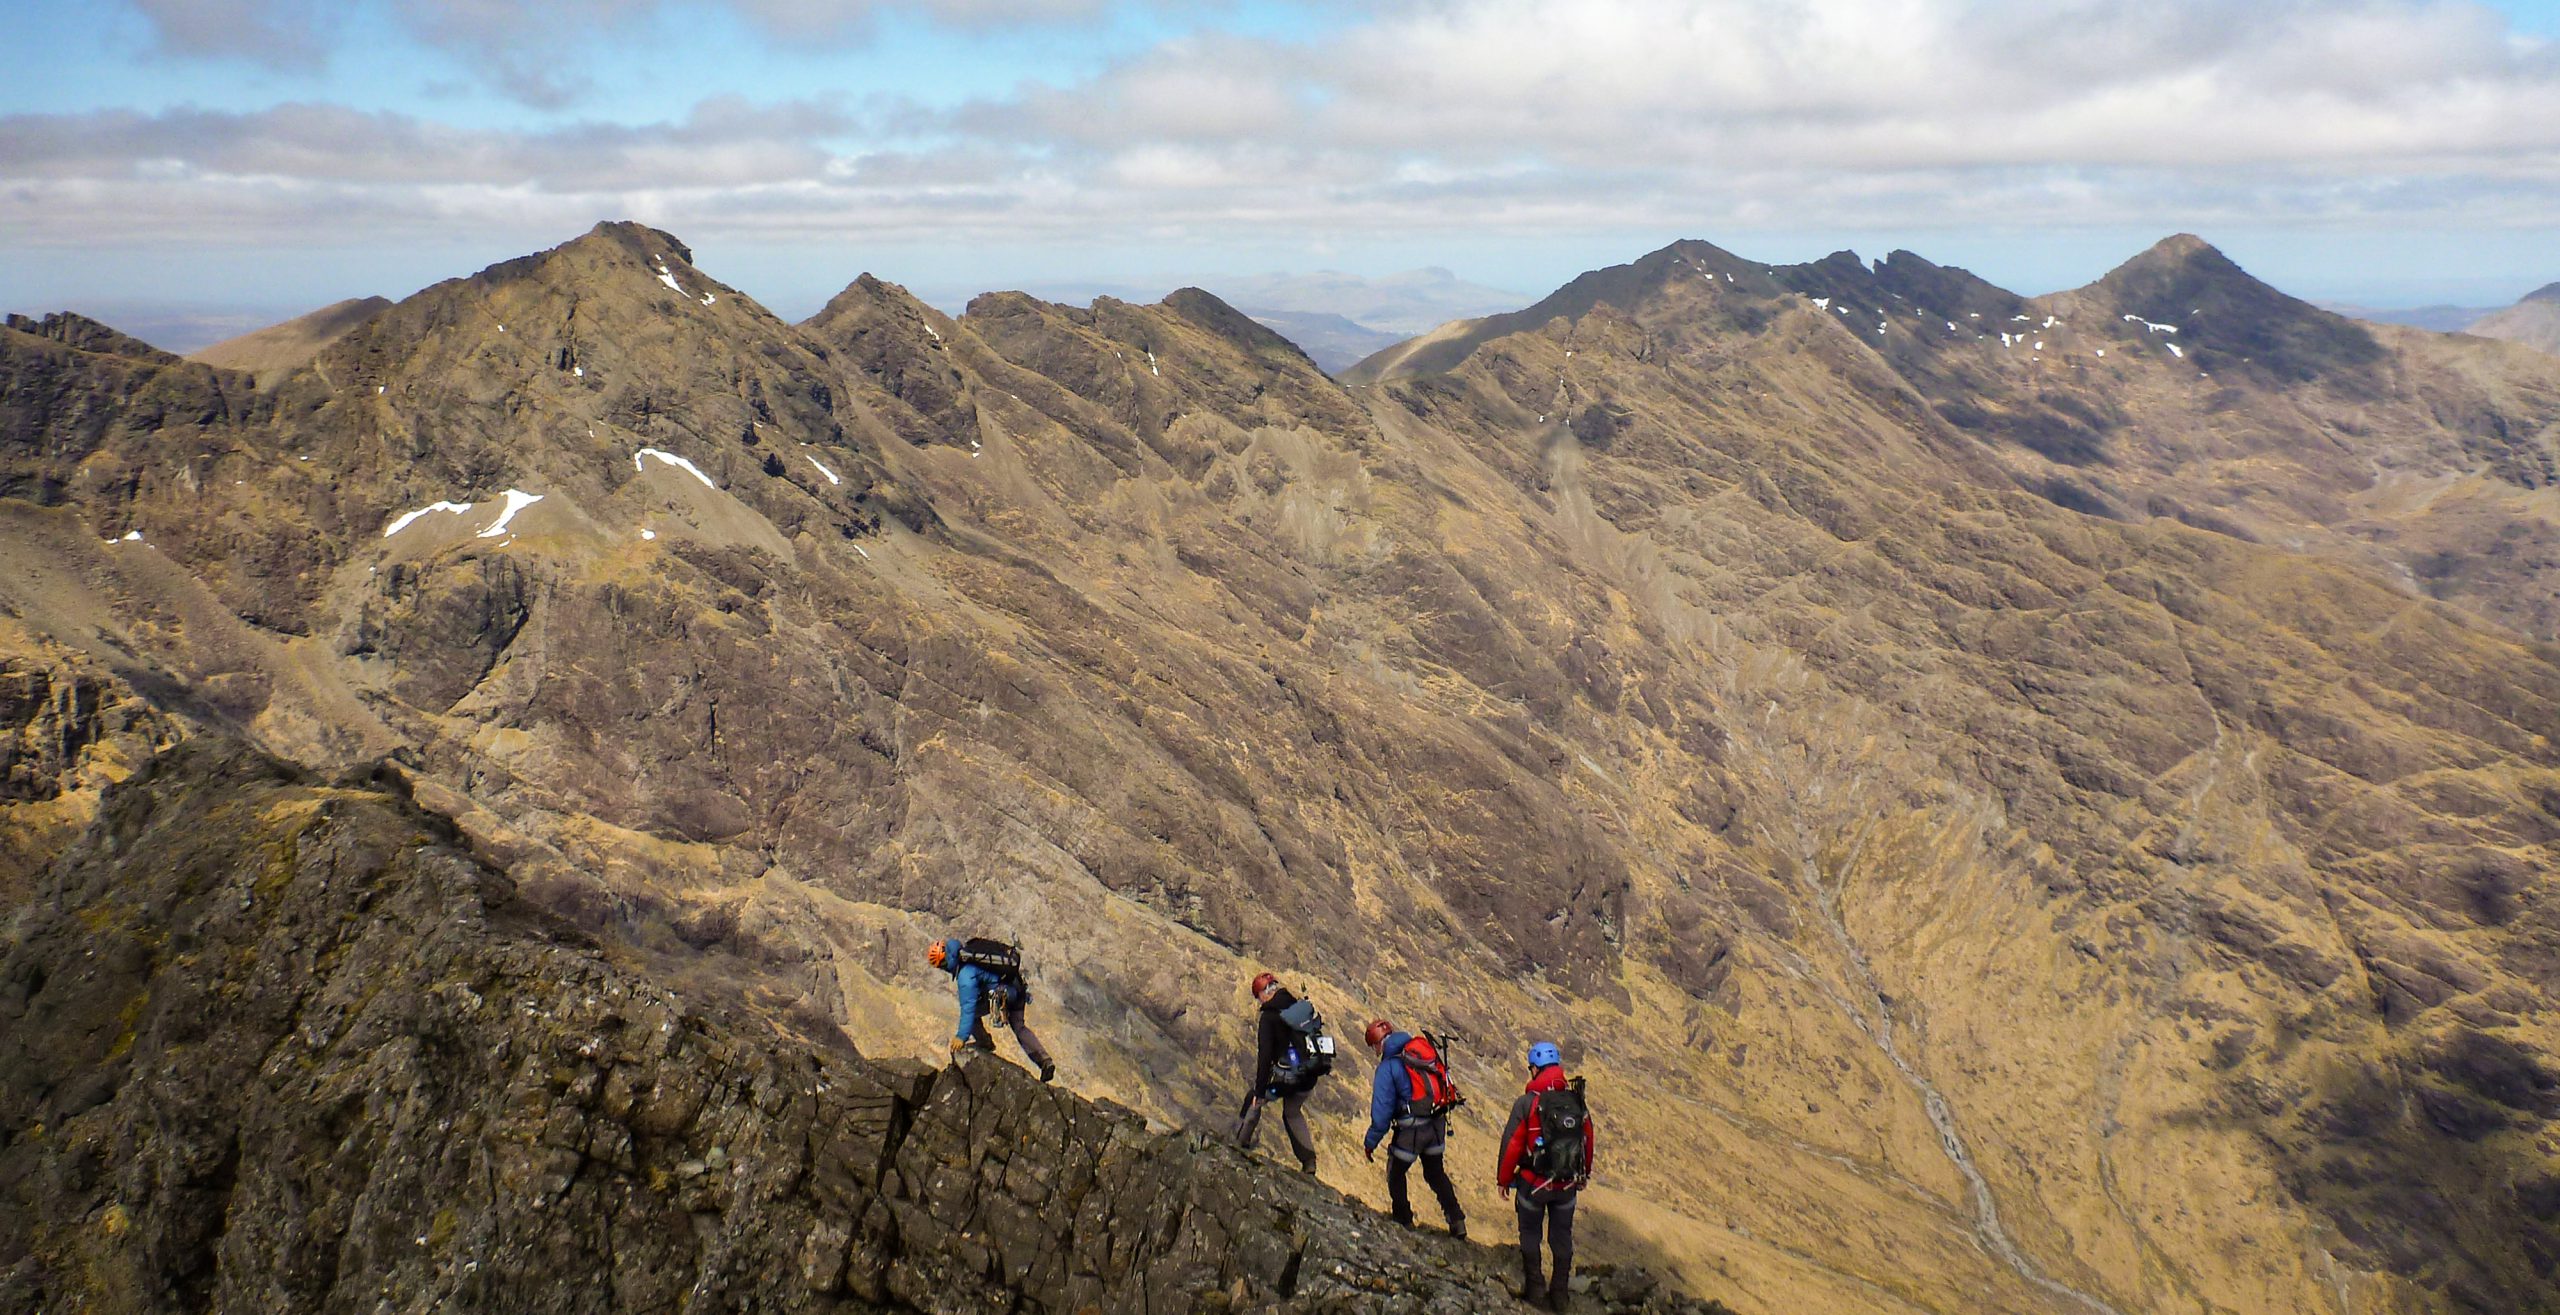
{"x": 1276, "y": 1038}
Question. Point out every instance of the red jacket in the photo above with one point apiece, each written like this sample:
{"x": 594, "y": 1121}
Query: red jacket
{"x": 1522, "y": 1131}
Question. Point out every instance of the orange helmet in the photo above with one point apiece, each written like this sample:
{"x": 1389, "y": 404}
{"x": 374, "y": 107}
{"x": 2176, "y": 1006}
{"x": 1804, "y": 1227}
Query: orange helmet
{"x": 934, "y": 954}
{"x": 1379, "y": 1029}
{"x": 1263, "y": 983}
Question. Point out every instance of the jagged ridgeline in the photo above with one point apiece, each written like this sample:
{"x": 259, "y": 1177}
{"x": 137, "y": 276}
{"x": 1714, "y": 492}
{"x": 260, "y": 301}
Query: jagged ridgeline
{"x": 280, "y": 1045}
{"x": 2016, "y": 804}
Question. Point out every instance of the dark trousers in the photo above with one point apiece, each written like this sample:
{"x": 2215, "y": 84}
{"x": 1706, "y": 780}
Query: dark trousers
{"x": 1423, "y": 1144}
{"x": 1015, "y": 1010}
{"x": 1293, "y": 1120}
{"x": 1551, "y": 1213}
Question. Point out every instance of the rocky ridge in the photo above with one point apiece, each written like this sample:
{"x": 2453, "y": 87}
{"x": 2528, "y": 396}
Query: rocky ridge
{"x": 284, "y": 1045}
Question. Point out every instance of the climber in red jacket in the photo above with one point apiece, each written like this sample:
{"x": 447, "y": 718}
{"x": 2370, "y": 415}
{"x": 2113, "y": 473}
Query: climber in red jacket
{"x": 1547, "y": 1150}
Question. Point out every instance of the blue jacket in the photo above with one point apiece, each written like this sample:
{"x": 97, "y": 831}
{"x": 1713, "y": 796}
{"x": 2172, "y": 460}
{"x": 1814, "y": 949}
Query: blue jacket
{"x": 975, "y": 984}
{"x": 1387, "y": 1089}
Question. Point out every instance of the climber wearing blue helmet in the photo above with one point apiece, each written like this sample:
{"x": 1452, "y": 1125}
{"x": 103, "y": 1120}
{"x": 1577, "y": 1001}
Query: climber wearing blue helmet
{"x": 1546, "y": 1152}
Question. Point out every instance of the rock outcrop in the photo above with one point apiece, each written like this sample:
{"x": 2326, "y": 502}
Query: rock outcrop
{"x": 68, "y": 729}
{"x": 273, "y": 1044}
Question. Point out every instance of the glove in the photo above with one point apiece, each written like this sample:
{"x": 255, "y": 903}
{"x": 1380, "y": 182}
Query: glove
{"x": 1373, "y": 1155}
{"x": 958, "y": 1045}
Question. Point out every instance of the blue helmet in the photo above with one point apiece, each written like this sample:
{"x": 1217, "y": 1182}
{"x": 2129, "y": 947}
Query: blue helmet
{"x": 1545, "y": 1055}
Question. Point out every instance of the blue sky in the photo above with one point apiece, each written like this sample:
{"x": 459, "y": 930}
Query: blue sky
{"x": 242, "y": 157}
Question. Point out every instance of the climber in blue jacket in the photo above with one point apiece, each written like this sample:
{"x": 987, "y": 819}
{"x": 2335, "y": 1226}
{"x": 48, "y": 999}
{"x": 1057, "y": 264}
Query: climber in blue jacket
{"x": 987, "y": 974}
{"x": 1411, "y": 1097}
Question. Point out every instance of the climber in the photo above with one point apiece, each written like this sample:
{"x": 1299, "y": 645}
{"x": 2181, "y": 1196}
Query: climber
{"x": 1546, "y": 1154}
{"x": 988, "y": 974}
{"x": 1292, "y": 1054}
{"x": 1412, "y": 1097}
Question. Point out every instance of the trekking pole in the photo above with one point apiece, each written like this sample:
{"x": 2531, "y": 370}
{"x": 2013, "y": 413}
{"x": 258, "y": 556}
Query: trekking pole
{"x": 1252, "y": 1102}
{"x": 1449, "y": 1043}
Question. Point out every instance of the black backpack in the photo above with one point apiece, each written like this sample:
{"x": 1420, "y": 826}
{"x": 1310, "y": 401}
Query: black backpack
{"x": 1003, "y": 958}
{"x": 1310, "y": 1055}
{"x": 1563, "y": 1121}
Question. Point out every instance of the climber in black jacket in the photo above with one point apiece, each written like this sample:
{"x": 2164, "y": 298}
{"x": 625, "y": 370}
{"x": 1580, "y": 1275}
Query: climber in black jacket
{"x": 1291, "y": 1055}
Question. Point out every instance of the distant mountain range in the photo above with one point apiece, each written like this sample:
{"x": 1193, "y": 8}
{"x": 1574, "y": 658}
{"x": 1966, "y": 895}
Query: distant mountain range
{"x": 1405, "y": 304}
{"x": 1332, "y": 341}
{"x": 2533, "y": 321}
{"x": 1335, "y": 317}
{"x": 2440, "y": 319}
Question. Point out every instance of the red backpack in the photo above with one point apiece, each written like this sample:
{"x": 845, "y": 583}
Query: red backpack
{"x": 1429, "y": 1091}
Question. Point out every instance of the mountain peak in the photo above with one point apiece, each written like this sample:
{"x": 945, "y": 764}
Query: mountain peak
{"x": 636, "y": 237}
{"x": 1701, "y": 254}
{"x": 2547, "y": 292}
{"x": 2184, "y": 254}
{"x": 2183, "y": 246}
{"x": 867, "y": 292}
{"x": 2226, "y": 318}
{"x": 1628, "y": 288}
{"x": 1211, "y": 313}
{"x": 614, "y": 244}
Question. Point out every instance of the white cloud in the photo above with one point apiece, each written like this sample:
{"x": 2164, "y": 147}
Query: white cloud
{"x": 1871, "y": 84}
{"x": 537, "y": 53}
{"x": 850, "y": 19}
{"x": 275, "y": 33}
{"x": 722, "y": 143}
{"x": 1437, "y": 117}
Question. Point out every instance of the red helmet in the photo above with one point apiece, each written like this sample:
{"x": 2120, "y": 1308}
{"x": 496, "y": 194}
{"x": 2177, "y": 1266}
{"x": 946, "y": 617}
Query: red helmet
{"x": 934, "y": 953}
{"x": 1262, "y": 983}
{"x": 1379, "y": 1030}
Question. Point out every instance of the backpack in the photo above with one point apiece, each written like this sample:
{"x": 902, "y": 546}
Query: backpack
{"x": 1308, "y": 1057}
{"x": 1003, "y": 958}
{"x": 1562, "y": 1121}
{"x": 1429, "y": 1092}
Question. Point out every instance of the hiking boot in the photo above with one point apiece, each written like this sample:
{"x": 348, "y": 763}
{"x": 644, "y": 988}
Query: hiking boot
{"x": 1533, "y": 1283}
{"x": 1560, "y": 1292}
{"x": 1458, "y": 1229}
{"x": 1307, "y": 1167}
{"x": 1048, "y": 1071}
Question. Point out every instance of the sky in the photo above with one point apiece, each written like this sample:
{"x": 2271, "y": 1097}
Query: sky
{"x": 247, "y": 159}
